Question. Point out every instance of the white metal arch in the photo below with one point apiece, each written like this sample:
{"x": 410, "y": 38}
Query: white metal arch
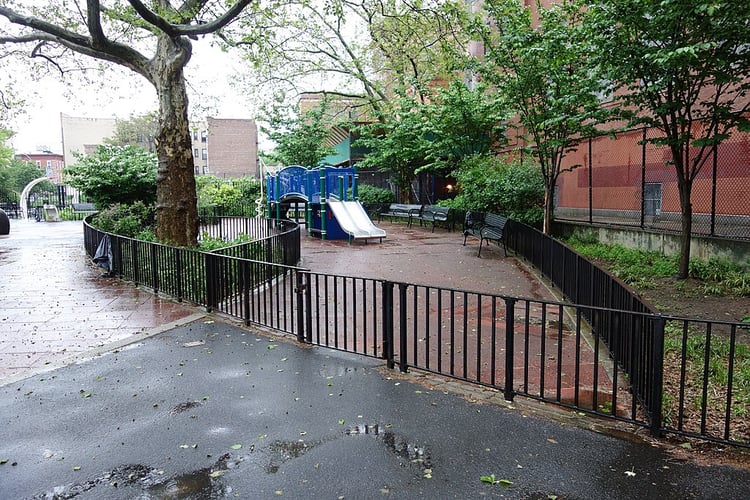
{"x": 25, "y": 195}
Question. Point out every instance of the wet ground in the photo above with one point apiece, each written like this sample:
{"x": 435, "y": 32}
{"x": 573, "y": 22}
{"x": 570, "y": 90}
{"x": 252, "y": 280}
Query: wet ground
{"x": 416, "y": 255}
{"x": 211, "y": 410}
{"x": 55, "y": 304}
{"x": 198, "y": 407}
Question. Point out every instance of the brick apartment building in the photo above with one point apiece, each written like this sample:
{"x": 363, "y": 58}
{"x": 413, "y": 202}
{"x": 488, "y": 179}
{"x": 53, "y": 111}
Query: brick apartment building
{"x": 226, "y": 147}
{"x": 51, "y": 163}
{"x": 221, "y": 147}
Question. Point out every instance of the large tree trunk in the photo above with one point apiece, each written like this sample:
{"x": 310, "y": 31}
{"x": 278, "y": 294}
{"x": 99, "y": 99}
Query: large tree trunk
{"x": 176, "y": 198}
{"x": 686, "y": 188}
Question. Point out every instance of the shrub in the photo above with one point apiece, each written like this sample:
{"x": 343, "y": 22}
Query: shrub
{"x": 133, "y": 221}
{"x": 371, "y": 195}
{"x": 227, "y": 197}
{"x": 490, "y": 184}
{"x": 115, "y": 174}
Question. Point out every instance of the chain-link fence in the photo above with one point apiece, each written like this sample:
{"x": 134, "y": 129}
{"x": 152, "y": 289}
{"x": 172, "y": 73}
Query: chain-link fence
{"x": 629, "y": 181}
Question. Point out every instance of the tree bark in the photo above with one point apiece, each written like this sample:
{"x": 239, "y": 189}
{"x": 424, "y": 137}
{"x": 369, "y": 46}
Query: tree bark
{"x": 686, "y": 188}
{"x": 176, "y": 198}
{"x": 549, "y": 209}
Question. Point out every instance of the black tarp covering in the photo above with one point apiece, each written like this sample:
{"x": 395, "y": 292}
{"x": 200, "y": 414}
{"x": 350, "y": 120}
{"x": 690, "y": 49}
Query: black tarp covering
{"x": 103, "y": 255}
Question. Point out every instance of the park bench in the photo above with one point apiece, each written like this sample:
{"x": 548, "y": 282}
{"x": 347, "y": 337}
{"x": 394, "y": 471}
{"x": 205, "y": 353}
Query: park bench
{"x": 486, "y": 227}
{"x": 433, "y": 214}
{"x": 401, "y": 211}
{"x": 83, "y": 208}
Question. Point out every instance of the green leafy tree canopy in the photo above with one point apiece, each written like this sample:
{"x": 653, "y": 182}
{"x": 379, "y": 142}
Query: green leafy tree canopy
{"x": 683, "y": 68}
{"x": 115, "y": 174}
{"x": 464, "y": 122}
{"x": 300, "y": 140}
{"x": 398, "y": 145}
{"x": 136, "y": 131}
{"x": 544, "y": 72}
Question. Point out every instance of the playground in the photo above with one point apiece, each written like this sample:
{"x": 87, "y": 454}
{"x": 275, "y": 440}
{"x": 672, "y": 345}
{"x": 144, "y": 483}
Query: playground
{"x": 328, "y": 198}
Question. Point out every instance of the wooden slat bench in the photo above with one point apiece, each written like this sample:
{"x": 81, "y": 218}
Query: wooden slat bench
{"x": 486, "y": 227}
{"x": 433, "y": 214}
{"x": 83, "y": 208}
{"x": 401, "y": 211}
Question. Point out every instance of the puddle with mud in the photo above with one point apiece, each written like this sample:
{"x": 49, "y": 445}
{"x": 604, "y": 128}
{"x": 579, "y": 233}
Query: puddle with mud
{"x": 201, "y": 484}
{"x": 209, "y": 483}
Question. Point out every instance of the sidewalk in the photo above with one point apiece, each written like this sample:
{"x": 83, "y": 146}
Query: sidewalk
{"x": 190, "y": 406}
{"x": 55, "y": 304}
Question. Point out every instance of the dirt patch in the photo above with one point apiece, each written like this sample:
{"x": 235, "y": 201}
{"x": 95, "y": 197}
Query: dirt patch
{"x": 686, "y": 298}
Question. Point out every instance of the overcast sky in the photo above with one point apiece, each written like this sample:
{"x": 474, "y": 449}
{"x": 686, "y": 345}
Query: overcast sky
{"x": 210, "y": 71}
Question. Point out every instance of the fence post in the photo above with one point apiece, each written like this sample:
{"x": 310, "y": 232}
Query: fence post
{"x": 135, "y": 262}
{"x": 402, "y": 354}
{"x": 117, "y": 267}
{"x": 154, "y": 268}
{"x": 388, "y": 323}
{"x": 246, "y": 286}
{"x": 212, "y": 300}
{"x": 308, "y": 310}
{"x": 299, "y": 290}
{"x": 713, "y": 190}
{"x": 510, "y": 313}
{"x": 591, "y": 182}
{"x": 643, "y": 179}
{"x": 269, "y": 260}
{"x": 657, "y": 375}
{"x": 178, "y": 273}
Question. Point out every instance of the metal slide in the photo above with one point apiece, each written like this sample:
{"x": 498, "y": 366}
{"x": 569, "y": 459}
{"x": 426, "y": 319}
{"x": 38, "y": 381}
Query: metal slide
{"x": 354, "y": 220}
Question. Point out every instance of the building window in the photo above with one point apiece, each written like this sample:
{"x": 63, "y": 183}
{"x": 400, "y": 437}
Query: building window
{"x": 195, "y": 153}
{"x": 652, "y": 198}
{"x": 195, "y": 135}
{"x": 203, "y": 136}
{"x": 205, "y": 169}
{"x": 204, "y": 154}
{"x": 39, "y": 163}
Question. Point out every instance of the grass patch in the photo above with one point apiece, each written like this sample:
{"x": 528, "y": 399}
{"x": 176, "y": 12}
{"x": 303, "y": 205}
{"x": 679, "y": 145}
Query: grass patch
{"x": 638, "y": 268}
{"x": 707, "y": 379}
{"x": 712, "y": 371}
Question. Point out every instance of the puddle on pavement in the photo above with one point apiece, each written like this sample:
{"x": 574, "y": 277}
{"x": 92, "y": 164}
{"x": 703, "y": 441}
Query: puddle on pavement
{"x": 409, "y": 453}
{"x": 284, "y": 451}
{"x": 204, "y": 483}
{"x": 208, "y": 483}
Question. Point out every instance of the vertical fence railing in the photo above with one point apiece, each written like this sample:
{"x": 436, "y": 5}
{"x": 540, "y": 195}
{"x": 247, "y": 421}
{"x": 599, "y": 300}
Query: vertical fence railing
{"x": 630, "y": 340}
{"x": 606, "y": 357}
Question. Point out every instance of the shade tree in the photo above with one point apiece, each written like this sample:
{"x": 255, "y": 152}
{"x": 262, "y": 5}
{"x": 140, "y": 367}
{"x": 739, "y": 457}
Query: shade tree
{"x": 542, "y": 67}
{"x": 682, "y": 68}
{"x": 152, "y": 39}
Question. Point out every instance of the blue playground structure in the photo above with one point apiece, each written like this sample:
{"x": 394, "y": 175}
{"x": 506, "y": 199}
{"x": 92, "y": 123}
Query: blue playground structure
{"x": 329, "y": 195}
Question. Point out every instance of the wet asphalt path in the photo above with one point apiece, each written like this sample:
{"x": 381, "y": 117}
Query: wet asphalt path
{"x": 213, "y": 410}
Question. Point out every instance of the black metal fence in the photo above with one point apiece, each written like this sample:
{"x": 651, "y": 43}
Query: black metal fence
{"x": 629, "y": 181}
{"x": 607, "y": 355}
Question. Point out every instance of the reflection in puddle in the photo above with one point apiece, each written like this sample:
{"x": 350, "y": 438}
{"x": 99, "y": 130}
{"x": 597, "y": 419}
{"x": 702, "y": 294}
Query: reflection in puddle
{"x": 407, "y": 452}
{"x": 284, "y": 451}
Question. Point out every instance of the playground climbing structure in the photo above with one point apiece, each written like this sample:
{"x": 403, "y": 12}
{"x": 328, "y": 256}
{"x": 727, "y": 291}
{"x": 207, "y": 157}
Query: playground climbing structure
{"x": 329, "y": 196}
